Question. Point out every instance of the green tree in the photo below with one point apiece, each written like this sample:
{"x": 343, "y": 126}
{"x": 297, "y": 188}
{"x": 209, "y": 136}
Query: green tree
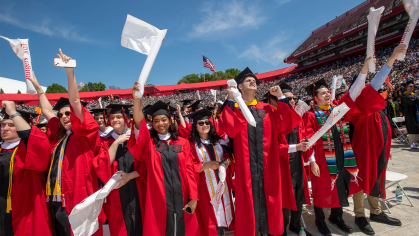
{"x": 1, "y": 90}
{"x": 220, "y": 75}
{"x": 56, "y": 88}
{"x": 91, "y": 87}
{"x": 18, "y": 92}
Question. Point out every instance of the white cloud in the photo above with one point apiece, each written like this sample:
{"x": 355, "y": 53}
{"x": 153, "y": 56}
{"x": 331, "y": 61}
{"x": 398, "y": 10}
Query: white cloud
{"x": 225, "y": 17}
{"x": 271, "y": 52}
{"x": 280, "y": 2}
{"x": 46, "y": 27}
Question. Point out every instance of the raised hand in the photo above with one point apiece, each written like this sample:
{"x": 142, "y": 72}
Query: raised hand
{"x": 35, "y": 83}
{"x": 9, "y": 106}
{"x": 276, "y": 91}
{"x": 63, "y": 57}
{"x": 135, "y": 89}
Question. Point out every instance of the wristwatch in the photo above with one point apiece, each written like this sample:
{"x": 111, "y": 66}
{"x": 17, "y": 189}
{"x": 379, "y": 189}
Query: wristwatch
{"x": 14, "y": 115}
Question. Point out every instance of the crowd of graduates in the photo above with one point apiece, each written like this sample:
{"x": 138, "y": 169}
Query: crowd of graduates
{"x": 197, "y": 166}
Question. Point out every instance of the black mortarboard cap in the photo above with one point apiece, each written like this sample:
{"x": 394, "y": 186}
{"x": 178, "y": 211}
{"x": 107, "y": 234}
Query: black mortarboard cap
{"x": 268, "y": 95}
{"x": 98, "y": 110}
{"x": 286, "y": 88}
{"x": 64, "y": 102}
{"x": 159, "y": 108}
{"x": 25, "y": 115}
{"x": 146, "y": 107}
{"x": 187, "y": 102}
{"x": 197, "y": 104}
{"x": 117, "y": 108}
{"x": 409, "y": 82}
{"x": 210, "y": 108}
{"x": 202, "y": 114}
{"x": 239, "y": 79}
{"x": 41, "y": 125}
{"x": 315, "y": 86}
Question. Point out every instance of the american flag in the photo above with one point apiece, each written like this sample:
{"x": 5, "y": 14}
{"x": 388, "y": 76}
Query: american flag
{"x": 208, "y": 64}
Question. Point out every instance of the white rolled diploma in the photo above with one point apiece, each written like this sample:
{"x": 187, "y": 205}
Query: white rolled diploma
{"x": 150, "y": 61}
{"x": 373, "y": 22}
{"x": 222, "y": 174}
{"x": 21, "y": 48}
{"x": 335, "y": 116}
{"x": 83, "y": 217}
{"x": 412, "y": 8}
{"x": 243, "y": 107}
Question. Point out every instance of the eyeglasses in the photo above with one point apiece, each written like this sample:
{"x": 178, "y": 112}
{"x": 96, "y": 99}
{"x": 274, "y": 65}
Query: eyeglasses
{"x": 67, "y": 113}
{"x": 290, "y": 98}
{"x": 201, "y": 123}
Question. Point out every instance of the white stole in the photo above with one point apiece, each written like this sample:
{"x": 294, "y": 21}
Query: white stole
{"x": 224, "y": 214}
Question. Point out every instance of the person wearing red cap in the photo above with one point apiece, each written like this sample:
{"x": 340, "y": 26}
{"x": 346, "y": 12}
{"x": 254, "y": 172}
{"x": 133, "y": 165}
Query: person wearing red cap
{"x": 24, "y": 158}
{"x": 74, "y": 139}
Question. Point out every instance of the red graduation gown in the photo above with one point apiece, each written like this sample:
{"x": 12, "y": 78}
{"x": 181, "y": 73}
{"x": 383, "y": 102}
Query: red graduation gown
{"x": 205, "y": 211}
{"x": 30, "y": 215}
{"x": 113, "y": 208}
{"x": 372, "y": 134}
{"x": 290, "y": 203}
{"x": 236, "y": 127}
{"x": 154, "y": 174}
{"x": 323, "y": 195}
{"x": 78, "y": 179}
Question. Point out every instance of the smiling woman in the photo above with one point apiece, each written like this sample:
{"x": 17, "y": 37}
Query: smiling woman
{"x": 75, "y": 140}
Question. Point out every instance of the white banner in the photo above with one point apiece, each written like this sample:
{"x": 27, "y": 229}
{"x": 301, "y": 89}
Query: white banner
{"x": 243, "y": 107}
{"x": 301, "y": 108}
{"x": 412, "y": 8}
{"x": 143, "y": 38}
{"x": 373, "y": 22}
{"x": 21, "y": 48}
{"x": 84, "y": 216}
{"x": 337, "y": 114}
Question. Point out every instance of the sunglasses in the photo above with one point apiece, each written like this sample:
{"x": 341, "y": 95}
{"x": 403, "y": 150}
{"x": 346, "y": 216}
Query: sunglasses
{"x": 201, "y": 123}
{"x": 67, "y": 113}
{"x": 295, "y": 99}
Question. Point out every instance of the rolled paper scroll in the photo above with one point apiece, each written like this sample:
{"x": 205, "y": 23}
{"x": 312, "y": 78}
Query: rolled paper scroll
{"x": 80, "y": 86}
{"x": 336, "y": 83}
{"x": 21, "y": 48}
{"x": 197, "y": 94}
{"x": 336, "y": 114}
{"x": 84, "y": 216}
{"x": 373, "y": 22}
{"x": 143, "y": 38}
{"x": 222, "y": 174}
{"x": 412, "y": 8}
{"x": 214, "y": 94}
{"x": 301, "y": 108}
{"x": 242, "y": 105}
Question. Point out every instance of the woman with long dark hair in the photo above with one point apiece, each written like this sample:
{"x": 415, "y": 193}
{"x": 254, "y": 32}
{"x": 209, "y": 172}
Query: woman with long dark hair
{"x": 167, "y": 169}
{"x": 74, "y": 139}
{"x": 211, "y": 156}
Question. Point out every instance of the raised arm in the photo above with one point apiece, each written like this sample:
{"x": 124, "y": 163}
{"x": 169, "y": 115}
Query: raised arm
{"x": 359, "y": 83}
{"x": 381, "y": 76}
{"x": 18, "y": 121}
{"x": 138, "y": 107}
{"x": 179, "y": 114}
{"x": 73, "y": 91}
{"x": 43, "y": 100}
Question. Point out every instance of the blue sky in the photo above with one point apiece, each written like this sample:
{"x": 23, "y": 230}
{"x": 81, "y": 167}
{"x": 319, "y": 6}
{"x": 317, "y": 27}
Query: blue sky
{"x": 232, "y": 34}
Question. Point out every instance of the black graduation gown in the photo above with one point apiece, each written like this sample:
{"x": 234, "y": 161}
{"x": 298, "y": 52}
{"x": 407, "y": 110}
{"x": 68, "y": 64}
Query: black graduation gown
{"x": 410, "y": 111}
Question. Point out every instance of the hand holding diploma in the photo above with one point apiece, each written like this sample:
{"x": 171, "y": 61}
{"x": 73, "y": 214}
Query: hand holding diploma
{"x": 238, "y": 98}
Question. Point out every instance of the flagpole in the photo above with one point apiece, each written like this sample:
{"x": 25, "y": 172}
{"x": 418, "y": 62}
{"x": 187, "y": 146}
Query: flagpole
{"x": 203, "y": 71}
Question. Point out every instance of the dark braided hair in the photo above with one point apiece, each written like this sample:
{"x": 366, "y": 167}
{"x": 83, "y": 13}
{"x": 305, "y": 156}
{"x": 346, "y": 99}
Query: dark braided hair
{"x": 155, "y": 136}
{"x": 212, "y": 135}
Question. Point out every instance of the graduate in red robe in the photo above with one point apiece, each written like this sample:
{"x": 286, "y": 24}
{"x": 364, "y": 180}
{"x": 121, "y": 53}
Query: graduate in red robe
{"x": 371, "y": 142}
{"x": 168, "y": 171}
{"x": 333, "y": 167}
{"x": 24, "y": 157}
{"x": 258, "y": 189}
{"x": 123, "y": 205}
{"x": 292, "y": 145}
{"x": 74, "y": 138}
{"x": 208, "y": 151}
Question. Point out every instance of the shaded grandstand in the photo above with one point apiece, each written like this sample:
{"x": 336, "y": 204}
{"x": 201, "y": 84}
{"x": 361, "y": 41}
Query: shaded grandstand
{"x": 347, "y": 35}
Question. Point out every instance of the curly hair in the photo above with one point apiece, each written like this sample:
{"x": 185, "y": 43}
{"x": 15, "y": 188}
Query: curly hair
{"x": 155, "y": 136}
{"x": 212, "y": 135}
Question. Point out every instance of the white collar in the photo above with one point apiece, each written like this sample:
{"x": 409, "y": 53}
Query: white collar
{"x": 115, "y": 135}
{"x": 7, "y": 145}
{"x": 106, "y": 133}
{"x": 205, "y": 141}
{"x": 164, "y": 136}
